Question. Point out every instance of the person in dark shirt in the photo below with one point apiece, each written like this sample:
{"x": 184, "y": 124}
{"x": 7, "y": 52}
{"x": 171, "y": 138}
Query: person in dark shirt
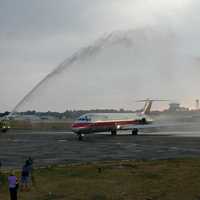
{"x": 29, "y": 161}
{"x": 25, "y": 176}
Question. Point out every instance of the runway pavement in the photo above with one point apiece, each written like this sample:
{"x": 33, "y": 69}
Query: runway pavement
{"x": 63, "y": 147}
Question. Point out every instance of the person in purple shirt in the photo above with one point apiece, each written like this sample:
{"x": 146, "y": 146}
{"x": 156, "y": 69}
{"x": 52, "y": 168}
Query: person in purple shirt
{"x": 13, "y": 186}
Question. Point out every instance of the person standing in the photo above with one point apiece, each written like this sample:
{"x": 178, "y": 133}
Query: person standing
{"x": 29, "y": 162}
{"x": 25, "y": 176}
{"x": 13, "y": 186}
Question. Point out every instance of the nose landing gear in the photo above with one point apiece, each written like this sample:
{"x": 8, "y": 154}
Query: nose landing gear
{"x": 80, "y": 137}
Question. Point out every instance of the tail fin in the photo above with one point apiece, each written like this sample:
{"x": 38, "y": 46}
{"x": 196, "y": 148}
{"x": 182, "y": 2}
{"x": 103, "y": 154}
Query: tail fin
{"x": 148, "y": 105}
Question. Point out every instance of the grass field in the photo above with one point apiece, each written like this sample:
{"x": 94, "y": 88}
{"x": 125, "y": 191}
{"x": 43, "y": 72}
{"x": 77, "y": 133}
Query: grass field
{"x": 177, "y": 179}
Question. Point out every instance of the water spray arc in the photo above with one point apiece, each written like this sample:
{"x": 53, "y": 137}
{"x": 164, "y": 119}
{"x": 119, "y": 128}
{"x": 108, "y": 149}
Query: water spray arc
{"x": 77, "y": 56}
{"x": 113, "y": 38}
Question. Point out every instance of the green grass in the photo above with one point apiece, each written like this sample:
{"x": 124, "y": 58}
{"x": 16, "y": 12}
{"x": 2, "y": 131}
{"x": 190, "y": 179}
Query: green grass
{"x": 117, "y": 180}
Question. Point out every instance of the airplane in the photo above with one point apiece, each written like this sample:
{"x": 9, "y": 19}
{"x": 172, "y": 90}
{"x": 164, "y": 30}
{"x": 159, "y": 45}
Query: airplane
{"x": 112, "y": 122}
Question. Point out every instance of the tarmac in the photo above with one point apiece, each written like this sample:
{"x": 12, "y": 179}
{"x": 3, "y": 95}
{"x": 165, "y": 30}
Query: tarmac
{"x": 47, "y": 148}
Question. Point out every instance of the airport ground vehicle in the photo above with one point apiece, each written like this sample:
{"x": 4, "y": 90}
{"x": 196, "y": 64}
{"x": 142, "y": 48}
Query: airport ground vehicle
{"x": 112, "y": 122}
{"x": 4, "y": 125}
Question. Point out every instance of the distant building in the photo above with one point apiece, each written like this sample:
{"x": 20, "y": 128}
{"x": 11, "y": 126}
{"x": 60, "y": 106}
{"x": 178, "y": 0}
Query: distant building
{"x": 197, "y": 104}
{"x": 174, "y": 107}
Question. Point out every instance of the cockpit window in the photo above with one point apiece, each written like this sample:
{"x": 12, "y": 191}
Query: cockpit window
{"x": 84, "y": 118}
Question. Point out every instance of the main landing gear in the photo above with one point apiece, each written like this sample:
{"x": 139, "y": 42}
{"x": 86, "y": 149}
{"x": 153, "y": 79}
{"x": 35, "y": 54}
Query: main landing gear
{"x": 113, "y": 132}
{"x": 135, "y": 131}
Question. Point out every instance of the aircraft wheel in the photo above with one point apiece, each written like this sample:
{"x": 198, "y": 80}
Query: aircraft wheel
{"x": 80, "y": 137}
{"x": 114, "y": 132}
{"x": 135, "y": 131}
{"x": 144, "y": 121}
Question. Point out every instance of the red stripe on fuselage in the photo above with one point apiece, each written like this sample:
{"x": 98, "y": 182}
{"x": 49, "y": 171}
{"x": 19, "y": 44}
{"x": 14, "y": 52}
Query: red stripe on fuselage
{"x": 81, "y": 125}
{"x": 102, "y": 124}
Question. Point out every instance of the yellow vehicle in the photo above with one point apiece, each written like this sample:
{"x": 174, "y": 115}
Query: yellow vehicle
{"x": 4, "y": 125}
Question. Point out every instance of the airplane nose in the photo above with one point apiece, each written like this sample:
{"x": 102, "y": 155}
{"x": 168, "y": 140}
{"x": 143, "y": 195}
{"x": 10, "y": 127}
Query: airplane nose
{"x": 80, "y": 125}
{"x": 76, "y": 127}
{"x": 73, "y": 125}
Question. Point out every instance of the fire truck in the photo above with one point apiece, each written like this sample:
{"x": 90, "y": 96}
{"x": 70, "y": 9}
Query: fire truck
{"x": 4, "y": 125}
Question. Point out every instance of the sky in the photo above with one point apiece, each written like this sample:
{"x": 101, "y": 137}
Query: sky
{"x": 36, "y": 36}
